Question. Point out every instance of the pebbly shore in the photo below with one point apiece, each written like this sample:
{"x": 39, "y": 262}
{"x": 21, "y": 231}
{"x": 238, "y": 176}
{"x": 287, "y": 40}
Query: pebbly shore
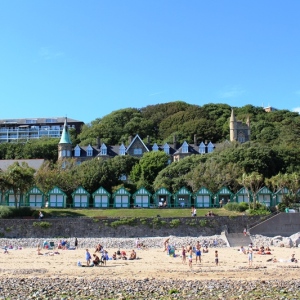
{"x": 148, "y": 288}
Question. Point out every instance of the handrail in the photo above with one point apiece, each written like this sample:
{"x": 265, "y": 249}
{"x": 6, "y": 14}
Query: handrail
{"x": 268, "y": 217}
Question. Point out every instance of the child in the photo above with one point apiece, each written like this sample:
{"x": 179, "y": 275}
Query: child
{"x": 216, "y": 258}
{"x": 191, "y": 257}
{"x": 88, "y": 257}
{"x": 183, "y": 255}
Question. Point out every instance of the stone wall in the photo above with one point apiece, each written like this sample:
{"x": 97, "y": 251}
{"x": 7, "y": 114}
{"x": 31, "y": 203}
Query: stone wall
{"x": 129, "y": 227}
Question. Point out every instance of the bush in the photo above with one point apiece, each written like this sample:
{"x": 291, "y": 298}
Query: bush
{"x": 6, "y": 212}
{"x": 232, "y": 206}
{"x": 258, "y": 212}
{"x": 42, "y": 224}
{"x": 22, "y": 212}
{"x": 174, "y": 223}
{"x": 243, "y": 206}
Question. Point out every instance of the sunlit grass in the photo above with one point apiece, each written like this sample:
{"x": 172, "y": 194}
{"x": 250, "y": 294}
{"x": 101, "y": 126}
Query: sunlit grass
{"x": 134, "y": 212}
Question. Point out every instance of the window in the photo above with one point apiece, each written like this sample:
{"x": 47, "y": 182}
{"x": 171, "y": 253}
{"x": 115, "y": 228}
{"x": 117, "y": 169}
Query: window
{"x": 137, "y": 151}
{"x": 51, "y": 121}
{"x": 185, "y": 147}
{"x": 89, "y": 151}
{"x": 166, "y": 148}
{"x": 202, "y": 148}
{"x": 210, "y": 147}
{"x": 103, "y": 150}
{"x": 155, "y": 147}
{"x": 241, "y": 138}
{"x": 123, "y": 177}
{"x": 30, "y": 121}
{"x": 77, "y": 151}
{"x": 122, "y": 150}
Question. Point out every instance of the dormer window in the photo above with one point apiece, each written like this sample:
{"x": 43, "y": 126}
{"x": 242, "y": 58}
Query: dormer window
{"x": 166, "y": 148}
{"x": 137, "y": 151}
{"x": 89, "y": 151}
{"x": 122, "y": 150}
{"x": 155, "y": 147}
{"x": 77, "y": 151}
{"x": 210, "y": 147}
{"x": 202, "y": 148}
{"x": 103, "y": 149}
{"x": 185, "y": 147}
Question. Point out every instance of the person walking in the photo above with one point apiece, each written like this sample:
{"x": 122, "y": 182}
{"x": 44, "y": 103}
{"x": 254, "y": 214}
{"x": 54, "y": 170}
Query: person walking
{"x": 76, "y": 243}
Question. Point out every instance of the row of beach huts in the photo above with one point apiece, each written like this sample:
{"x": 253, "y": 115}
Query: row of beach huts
{"x": 142, "y": 198}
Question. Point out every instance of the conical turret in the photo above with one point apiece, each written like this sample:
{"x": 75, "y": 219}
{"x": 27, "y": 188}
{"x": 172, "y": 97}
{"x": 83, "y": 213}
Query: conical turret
{"x": 233, "y": 127}
{"x": 65, "y": 145}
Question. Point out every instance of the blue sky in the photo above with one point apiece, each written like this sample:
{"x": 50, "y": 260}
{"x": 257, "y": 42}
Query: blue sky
{"x": 85, "y": 59}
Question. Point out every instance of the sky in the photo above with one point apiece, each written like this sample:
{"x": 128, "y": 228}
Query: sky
{"x": 85, "y": 59}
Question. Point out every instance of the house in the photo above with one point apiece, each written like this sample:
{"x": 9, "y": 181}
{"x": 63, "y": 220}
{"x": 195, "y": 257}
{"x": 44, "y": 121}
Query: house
{"x": 14, "y": 130}
{"x": 136, "y": 147}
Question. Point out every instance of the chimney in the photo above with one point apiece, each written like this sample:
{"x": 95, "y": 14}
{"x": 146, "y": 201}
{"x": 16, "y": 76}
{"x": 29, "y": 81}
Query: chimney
{"x": 148, "y": 139}
{"x": 195, "y": 139}
{"x": 205, "y": 142}
{"x": 98, "y": 143}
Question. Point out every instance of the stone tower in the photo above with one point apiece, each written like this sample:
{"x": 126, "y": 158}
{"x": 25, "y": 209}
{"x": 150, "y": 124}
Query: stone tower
{"x": 65, "y": 145}
{"x": 239, "y": 131}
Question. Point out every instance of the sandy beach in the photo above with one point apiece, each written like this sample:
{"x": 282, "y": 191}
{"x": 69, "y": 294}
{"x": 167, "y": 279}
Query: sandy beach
{"x": 151, "y": 264}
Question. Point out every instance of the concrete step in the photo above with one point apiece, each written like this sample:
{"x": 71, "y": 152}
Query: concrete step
{"x": 238, "y": 239}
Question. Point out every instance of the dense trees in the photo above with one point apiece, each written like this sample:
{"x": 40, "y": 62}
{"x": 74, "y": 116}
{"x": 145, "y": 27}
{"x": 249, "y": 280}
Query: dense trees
{"x": 274, "y": 149}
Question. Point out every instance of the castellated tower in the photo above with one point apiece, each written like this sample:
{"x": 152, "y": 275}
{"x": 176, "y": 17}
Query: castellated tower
{"x": 239, "y": 131}
{"x": 65, "y": 145}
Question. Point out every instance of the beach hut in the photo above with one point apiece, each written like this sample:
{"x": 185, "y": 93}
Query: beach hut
{"x": 57, "y": 198}
{"x": 183, "y": 198}
{"x": 101, "y": 198}
{"x": 141, "y": 198}
{"x": 278, "y": 196}
{"x": 121, "y": 198}
{"x": 203, "y": 198}
{"x": 243, "y": 195}
{"x": 224, "y": 194}
{"x": 35, "y": 197}
{"x": 10, "y": 198}
{"x": 265, "y": 196}
{"x": 162, "y": 198}
{"x": 81, "y": 197}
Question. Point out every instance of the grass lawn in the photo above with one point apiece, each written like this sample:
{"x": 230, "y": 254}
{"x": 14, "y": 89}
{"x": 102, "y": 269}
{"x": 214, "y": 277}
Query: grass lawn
{"x": 137, "y": 213}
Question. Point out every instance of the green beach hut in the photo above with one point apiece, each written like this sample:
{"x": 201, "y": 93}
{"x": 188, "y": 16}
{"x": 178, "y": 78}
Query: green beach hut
{"x": 162, "y": 198}
{"x": 101, "y": 198}
{"x": 265, "y": 196}
{"x": 141, "y": 198}
{"x": 224, "y": 194}
{"x": 35, "y": 197}
{"x": 183, "y": 198}
{"x": 121, "y": 198}
{"x": 203, "y": 198}
{"x": 243, "y": 195}
{"x": 57, "y": 198}
{"x": 81, "y": 198}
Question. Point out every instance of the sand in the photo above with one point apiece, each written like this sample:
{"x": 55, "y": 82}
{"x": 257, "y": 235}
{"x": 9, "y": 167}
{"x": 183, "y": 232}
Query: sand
{"x": 151, "y": 263}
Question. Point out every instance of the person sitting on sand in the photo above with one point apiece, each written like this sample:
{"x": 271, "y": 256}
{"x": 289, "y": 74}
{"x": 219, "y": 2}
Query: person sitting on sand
{"x": 132, "y": 255}
{"x": 96, "y": 260}
{"x": 293, "y": 259}
{"x": 114, "y": 256}
{"x": 205, "y": 249}
{"x": 98, "y": 248}
{"x": 242, "y": 250}
{"x": 5, "y": 250}
{"x": 123, "y": 255}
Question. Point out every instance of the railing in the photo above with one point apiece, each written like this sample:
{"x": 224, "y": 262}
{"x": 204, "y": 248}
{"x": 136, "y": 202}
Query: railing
{"x": 264, "y": 219}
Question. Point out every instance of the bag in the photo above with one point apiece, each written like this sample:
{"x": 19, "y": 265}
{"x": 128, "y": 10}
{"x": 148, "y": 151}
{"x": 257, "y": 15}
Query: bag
{"x": 79, "y": 264}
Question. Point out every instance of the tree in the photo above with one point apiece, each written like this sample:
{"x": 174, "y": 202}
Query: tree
{"x": 19, "y": 178}
{"x": 253, "y": 182}
{"x": 145, "y": 172}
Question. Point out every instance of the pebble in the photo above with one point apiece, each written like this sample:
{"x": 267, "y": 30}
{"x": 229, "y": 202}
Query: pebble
{"x": 17, "y": 288}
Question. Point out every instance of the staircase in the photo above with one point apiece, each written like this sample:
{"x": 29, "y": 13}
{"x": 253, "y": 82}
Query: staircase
{"x": 238, "y": 239}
